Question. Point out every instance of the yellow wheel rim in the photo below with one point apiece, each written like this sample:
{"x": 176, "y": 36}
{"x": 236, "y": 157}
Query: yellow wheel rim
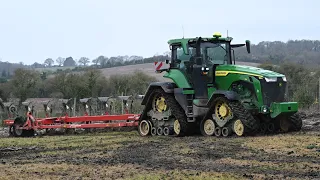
{"x": 144, "y": 127}
{"x": 160, "y": 104}
{"x": 222, "y": 111}
{"x": 176, "y": 127}
{"x": 209, "y": 127}
{"x": 238, "y": 127}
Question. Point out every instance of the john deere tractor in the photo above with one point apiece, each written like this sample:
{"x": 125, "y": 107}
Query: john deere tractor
{"x": 210, "y": 94}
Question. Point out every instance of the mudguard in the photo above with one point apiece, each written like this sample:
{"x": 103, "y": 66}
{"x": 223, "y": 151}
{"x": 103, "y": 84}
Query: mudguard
{"x": 181, "y": 98}
{"x": 168, "y": 87}
{"x": 230, "y": 95}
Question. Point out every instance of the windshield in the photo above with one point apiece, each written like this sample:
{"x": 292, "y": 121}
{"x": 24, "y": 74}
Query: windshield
{"x": 212, "y": 53}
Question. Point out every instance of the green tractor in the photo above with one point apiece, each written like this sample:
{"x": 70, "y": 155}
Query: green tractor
{"x": 210, "y": 94}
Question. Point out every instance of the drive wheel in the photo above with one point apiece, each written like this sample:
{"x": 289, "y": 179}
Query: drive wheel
{"x": 159, "y": 103}
{"x": 207, "y": 127}
{"x": 144, "y": 128}
{"x": 238, "y": 127}
{"x": 222, "y": 109}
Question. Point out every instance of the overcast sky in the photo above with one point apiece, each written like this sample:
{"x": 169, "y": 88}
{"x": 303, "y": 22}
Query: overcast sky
{"x": 33, "y": 30}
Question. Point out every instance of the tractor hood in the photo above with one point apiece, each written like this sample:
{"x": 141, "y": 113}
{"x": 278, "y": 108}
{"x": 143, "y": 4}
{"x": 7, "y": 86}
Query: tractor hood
{"x": 239, "y": 69}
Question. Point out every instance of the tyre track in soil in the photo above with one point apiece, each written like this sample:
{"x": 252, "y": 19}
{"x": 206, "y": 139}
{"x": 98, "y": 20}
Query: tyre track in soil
{"x": 155, "y": 155}
{"x": 204, "y": 158}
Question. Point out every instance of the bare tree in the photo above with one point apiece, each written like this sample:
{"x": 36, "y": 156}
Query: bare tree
{"x": 84, "y": 61}
{"x": 60, "y": 61}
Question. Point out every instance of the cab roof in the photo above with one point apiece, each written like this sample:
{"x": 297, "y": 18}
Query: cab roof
{"x": 187, "y": 40}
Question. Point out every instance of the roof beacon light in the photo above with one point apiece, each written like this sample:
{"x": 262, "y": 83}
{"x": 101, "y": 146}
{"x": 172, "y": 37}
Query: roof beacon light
{"x": 217, "y": 35}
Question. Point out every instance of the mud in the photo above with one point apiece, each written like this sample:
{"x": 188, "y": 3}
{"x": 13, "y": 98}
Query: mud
{"x": 153, "y": 155}
{"x": 311, "y": 121}
{"x": 188, "y": 153}
{"x": 4, "y": 132}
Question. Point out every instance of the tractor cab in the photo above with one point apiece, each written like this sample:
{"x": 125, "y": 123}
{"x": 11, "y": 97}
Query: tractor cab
{"x": 198, "y": 58}
{"x": 216, "y": 50}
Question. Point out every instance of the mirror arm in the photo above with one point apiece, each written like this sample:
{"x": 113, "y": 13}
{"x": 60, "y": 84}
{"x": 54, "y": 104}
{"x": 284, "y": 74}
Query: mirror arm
{"x": 234, "y": 57}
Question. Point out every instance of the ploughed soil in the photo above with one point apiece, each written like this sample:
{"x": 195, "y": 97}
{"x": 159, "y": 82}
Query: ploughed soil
{"x": 126, "y": 155}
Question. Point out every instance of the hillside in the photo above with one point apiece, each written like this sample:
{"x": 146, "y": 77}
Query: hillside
{"x": 148, "y": 68}
{"x": 306, "y": 52}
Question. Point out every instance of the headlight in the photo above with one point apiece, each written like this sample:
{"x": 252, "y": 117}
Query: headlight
{"x": 265, "y": 110}
{"x": 284, "y": 78}
{"x": 273, "y": 79}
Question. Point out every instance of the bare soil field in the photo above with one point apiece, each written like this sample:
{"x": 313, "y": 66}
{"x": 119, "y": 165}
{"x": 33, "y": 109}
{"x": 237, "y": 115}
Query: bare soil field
{"x": 149, "y": 69}
{"x": 126, "y": 155}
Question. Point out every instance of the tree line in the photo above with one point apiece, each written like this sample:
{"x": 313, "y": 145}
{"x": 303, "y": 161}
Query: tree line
{"x": 71, "y": 65}
{"x": 90, "y": 83}
{"x": 304, "y": 52}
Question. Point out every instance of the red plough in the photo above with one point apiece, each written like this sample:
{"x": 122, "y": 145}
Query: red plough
{"x": 31, "y": 125}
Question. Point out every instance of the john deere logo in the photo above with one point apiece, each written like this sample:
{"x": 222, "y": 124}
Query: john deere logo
{"x": 221, "y": 73}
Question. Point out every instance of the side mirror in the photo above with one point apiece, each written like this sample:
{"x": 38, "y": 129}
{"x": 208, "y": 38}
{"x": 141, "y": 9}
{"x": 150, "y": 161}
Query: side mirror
{"x": 248, "y": 46}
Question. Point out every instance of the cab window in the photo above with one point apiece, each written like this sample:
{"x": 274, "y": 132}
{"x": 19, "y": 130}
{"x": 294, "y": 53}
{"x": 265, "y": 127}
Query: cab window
{"x": 179, "y": 55}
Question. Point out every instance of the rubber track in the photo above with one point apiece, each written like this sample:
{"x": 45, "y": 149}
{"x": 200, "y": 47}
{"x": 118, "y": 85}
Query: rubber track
{"x": 296, "y": 121}
{"x": 250, "y": 123}
{"x": 177, "y": 111}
